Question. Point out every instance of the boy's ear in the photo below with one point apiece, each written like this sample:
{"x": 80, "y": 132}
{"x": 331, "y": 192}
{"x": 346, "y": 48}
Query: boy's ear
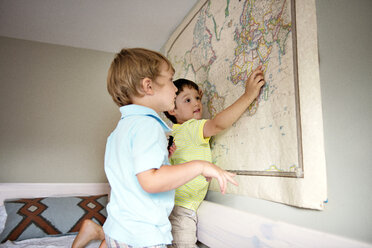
{"x": 172, "y": 112}
{"x": 147, "y": 86}
{"x": 201, "y": 93}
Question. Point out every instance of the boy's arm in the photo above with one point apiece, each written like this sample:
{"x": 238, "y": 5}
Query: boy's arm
{"x": 228, "y": 116}
{"x": 169, "y": 177}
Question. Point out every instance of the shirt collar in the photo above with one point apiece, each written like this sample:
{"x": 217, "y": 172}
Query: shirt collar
{"x": 175, "y": 126}
{"x": 133, "y": 109}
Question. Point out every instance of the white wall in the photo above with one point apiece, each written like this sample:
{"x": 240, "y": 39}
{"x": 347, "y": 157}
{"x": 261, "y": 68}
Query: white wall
{"x": 345, "y": 39}
{"x": 55, "y": 112}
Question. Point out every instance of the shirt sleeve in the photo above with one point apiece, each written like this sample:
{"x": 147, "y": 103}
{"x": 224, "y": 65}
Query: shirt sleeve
{"x": 195, "y": 130}
{"x": 148, "y": 146}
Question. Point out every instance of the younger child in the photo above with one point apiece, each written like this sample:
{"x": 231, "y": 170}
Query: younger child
{"x": 191, "y": 134}
{"x": 136, "y": 157}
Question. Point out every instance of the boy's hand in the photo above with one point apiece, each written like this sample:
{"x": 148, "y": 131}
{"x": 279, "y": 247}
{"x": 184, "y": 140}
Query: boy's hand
{"x": 171, "y": 146}
{"x": 255, "y": 82}
{"x": 231, "y": 114}
{"x": 223, "y": 177}
{"x": 171, "y": 150}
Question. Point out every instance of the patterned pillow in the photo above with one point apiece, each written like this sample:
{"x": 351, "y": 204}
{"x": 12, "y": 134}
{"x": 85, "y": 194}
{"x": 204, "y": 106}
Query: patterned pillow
{"x": 40, "y": 217}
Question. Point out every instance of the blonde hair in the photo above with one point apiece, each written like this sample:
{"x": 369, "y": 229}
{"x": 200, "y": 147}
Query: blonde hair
{"x": 129, "y": 67}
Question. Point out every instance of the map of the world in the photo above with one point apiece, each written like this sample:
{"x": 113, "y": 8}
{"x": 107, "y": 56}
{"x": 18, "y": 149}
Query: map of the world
{"x": 276, "y": 148}
{"x": 218, "y": 49}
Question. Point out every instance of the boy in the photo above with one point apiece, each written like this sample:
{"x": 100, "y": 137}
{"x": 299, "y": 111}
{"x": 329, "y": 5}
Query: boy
{"x": 90, "y": 230}
{"x": 136, "y": 157}
{"x": 191, "y": 134}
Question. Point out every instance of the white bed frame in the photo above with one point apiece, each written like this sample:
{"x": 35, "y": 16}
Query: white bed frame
{"x": 29, "y": 190}
{"x": 218, "y": 226}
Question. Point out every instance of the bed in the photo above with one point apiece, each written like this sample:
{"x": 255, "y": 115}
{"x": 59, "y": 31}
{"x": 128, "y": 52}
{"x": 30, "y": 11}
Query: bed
{"x": 58, "y": 208}
{"x": 218, "y": 225}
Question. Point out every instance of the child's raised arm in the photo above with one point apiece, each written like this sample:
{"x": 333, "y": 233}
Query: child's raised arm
{"x": 228, "y": 116}
{"x": 171, "y": 177}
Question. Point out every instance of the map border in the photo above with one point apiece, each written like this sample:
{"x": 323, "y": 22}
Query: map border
{"x": 309, "y": 192}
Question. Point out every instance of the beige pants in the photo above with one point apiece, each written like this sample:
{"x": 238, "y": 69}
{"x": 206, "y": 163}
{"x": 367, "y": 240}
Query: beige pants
{"x": 183, "y": 228}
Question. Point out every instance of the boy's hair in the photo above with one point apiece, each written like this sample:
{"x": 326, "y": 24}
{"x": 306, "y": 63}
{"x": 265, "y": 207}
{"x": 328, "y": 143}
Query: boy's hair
{"x": 181, "y": 84}
{"x": 128, "y": 68}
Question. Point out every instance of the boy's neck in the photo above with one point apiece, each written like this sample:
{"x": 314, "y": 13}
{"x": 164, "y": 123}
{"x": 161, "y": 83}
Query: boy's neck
{"x": 144, "y": 101}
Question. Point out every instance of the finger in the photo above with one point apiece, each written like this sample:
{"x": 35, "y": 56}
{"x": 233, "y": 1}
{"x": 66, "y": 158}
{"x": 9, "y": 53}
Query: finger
{"x": 225, "y": 184}
{"x": 259, "y": 67}
{"x": 231, "y": 174}
{"x": 222, "y": 182}
{"x": 256, "y": 73}
{"x": 259, "y": 79}
{"x": 231, "y": 180}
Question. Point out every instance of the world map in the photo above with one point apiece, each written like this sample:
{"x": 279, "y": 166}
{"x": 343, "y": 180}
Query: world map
{"x": 218, "y": 48}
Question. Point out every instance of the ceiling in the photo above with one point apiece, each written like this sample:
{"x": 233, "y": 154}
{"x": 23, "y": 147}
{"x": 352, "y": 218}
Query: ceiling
{"x": 107, "y": 25}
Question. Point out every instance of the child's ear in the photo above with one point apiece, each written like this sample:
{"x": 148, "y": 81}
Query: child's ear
{"x": 200, "y": 93}
{"x": 172, "y": 112}
{"x": 147, "y": 86}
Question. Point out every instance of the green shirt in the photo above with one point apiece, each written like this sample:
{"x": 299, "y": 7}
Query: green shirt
{"x": 191, "y": 145}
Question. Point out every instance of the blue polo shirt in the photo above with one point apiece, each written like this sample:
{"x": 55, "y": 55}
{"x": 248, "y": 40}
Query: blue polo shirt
{"x": 137, "y": 144}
